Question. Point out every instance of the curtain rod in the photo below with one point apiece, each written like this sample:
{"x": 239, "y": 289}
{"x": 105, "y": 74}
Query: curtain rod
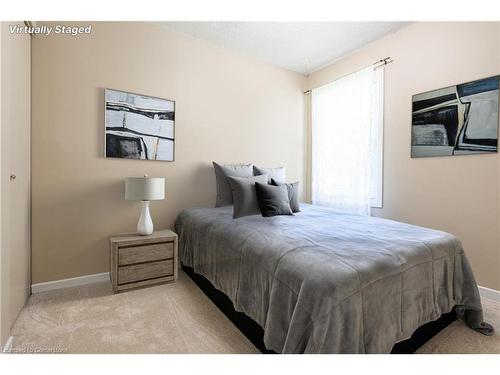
{"x": 377, "y": 64}
{"x": 29, "y": 25}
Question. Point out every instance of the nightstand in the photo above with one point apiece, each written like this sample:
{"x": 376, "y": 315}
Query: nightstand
{"x": 138, "y": 261}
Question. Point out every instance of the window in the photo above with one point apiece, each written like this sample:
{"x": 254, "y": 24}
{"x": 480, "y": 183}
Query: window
{"x": 347, "y": 142}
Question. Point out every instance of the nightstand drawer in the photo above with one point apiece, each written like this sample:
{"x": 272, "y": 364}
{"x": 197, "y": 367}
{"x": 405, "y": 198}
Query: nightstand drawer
{"x": 137, "y": 261}
{"x": 145, "y": 253}
{"x": 144, "y": 271}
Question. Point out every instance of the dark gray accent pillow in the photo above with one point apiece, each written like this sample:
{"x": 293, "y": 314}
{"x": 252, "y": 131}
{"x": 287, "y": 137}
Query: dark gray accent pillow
{"x": 224, "y": 194}
{"x": 273, "y": 200}
{"x": 293, "y": 193}
{"x": 244, "y": 195}
{"x": 277, "y": 173}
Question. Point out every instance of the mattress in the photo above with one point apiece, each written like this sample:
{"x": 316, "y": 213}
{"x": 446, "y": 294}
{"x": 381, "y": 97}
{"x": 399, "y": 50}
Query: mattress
{"x": 327, "y": 281}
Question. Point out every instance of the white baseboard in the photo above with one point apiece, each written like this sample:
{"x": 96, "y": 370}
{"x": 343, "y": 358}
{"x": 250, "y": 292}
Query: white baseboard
{"x": 8, "y": 345}
{"x": 68, "y": 283}
{"x": 489, "y": 293}
{"x": 103, "y": 277}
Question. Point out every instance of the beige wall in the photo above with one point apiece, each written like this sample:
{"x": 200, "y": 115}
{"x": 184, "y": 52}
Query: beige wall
{"x": 233, "y": 109}
{"x": 228, "y": 109}
{"x": 15, "y": 159}
{"x": 4, "y": 328}
{"x": 457, "y": 194}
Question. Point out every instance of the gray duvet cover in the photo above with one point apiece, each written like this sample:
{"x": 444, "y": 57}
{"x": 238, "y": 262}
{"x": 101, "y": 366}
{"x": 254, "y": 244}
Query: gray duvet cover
{"x": 326, "y": 281}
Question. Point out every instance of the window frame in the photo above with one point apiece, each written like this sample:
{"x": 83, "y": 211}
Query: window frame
{"x": 377, "y": 197}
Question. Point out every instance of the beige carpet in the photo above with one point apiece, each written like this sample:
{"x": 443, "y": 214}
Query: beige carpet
{"x": 169, "y": 318}
{"x": 457, "y": 338}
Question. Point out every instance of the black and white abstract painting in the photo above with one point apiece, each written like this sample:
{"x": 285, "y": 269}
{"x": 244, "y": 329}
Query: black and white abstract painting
{"x": 456, "y": 120}
{"x": 139, "y": 126}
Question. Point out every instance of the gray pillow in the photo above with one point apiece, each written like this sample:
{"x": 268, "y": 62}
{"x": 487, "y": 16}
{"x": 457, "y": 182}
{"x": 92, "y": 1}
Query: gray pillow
{"x": 277, "y": 173}
{"x": 244, "y": 195}
{"x": 224, "y": 194}
{"x": 293, "y": 193}
{"x": 273, "y": 200}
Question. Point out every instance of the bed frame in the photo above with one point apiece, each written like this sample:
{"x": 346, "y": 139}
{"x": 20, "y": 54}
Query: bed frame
{"x": 254, "y": 332}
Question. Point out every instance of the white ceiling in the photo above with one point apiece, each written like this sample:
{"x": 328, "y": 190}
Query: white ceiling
{"x": 301, "y": 46}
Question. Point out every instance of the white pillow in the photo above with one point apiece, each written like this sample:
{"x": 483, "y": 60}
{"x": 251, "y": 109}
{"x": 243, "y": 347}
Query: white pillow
{"x": 277, "y": 173}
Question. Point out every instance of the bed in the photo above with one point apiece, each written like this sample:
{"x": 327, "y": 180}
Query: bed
{"x": 326, "y": 281}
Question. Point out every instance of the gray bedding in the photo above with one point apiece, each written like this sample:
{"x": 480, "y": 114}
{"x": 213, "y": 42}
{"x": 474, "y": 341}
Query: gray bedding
{"x": 325, "y": 281}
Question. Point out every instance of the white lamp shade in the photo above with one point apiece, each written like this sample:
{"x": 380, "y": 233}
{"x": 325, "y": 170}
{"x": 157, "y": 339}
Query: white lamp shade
{"x": 144, "y": 188}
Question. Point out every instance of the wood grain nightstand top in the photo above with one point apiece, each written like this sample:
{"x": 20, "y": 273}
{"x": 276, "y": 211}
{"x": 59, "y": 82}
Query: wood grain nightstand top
{"x": 134, "y": 237}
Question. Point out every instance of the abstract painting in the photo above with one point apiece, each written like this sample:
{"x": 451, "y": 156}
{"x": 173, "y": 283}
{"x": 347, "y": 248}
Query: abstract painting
{"x": 456, "y": 120}
{"x": 139, "y": 126}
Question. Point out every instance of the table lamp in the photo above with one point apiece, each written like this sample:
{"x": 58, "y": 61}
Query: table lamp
{"x": 144, "y": 189}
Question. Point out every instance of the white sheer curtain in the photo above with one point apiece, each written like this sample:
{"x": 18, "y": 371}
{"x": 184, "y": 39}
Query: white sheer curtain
{"x": 347, "y": 117}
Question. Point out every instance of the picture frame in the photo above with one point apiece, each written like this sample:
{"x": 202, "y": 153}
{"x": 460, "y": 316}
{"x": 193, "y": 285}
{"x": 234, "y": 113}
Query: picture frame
{"x": 460, "y": 119}
{"x": 138, "y": 126}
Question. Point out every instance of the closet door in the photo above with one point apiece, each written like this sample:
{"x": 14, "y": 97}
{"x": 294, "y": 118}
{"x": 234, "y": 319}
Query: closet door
{"x": 15, "y": 112}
